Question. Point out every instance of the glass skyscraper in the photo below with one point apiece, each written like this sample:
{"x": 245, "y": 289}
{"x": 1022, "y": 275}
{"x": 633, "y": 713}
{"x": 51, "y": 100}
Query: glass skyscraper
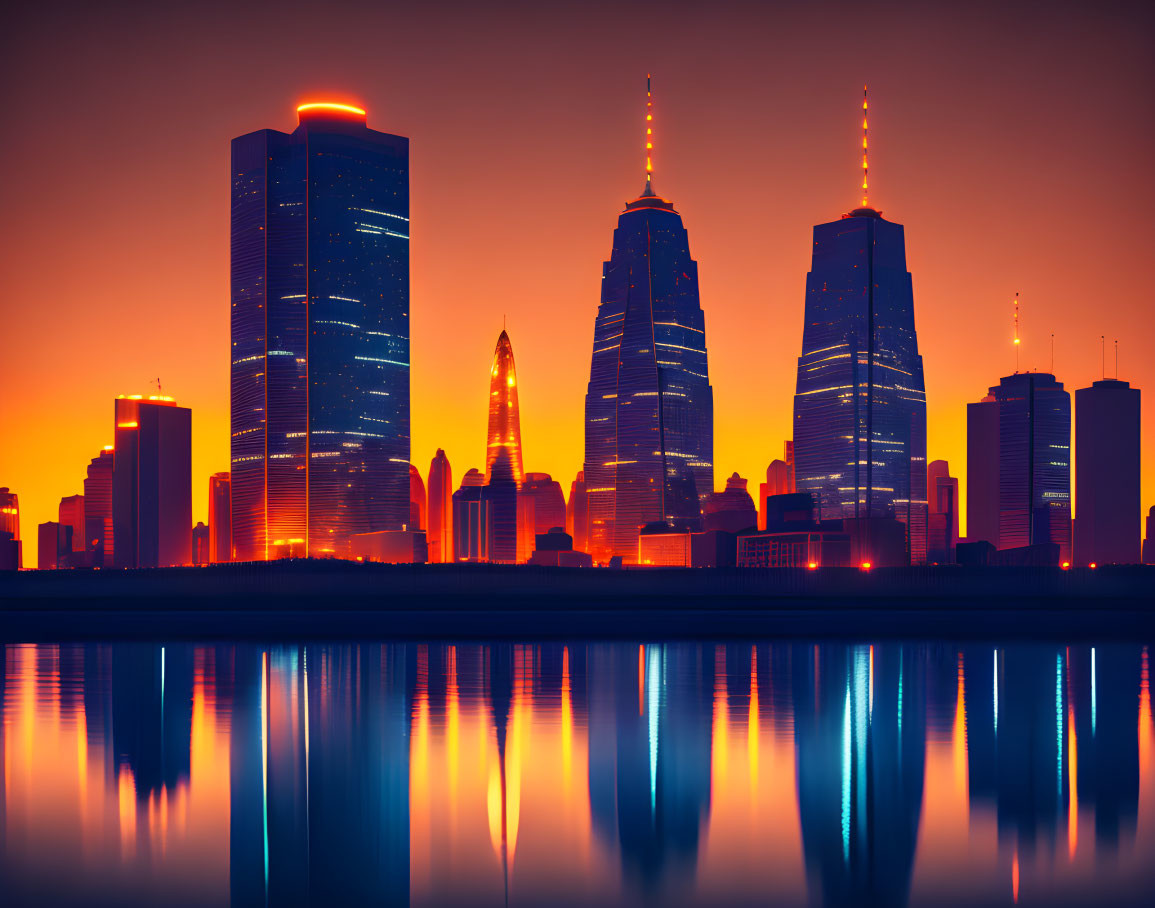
{"x": 649, "y": 410}
{"x": 860, "y": 402}
{"x": 320, "y": 334}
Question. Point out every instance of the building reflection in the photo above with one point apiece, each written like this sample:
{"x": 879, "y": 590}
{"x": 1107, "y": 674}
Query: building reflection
{"x": 675, "y": 773}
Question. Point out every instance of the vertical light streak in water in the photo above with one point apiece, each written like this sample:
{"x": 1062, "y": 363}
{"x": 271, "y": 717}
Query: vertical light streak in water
{"x": 846, "y": 776}
{"x": 752, "y": 725}
{"x": 452, "y": 733}
{"x": 1144, "y": 725}
{"x": 641, "y": 679}
{"x": 162, "y": 684}
{"x": 265, "y": 762}
{"x": 861, "y": 676}
{"x": 305, "y": 674}
{"x": 1094, "y": 693}
{"x": 1059, "y": 723}
{"x": 1073, "y": 783}
{"x": 900, "y": 662}
{"x": 653, "y": 683}
{"x": 996, "y": 697}
{"x": 872, "y": 682}
{"x": 958, "y": 745}
{"x": 566, "y": 720}
{"x": 1015, "y": 876}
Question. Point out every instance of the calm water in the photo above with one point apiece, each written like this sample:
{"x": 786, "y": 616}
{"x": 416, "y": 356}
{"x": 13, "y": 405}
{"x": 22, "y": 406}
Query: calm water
{"x": 608, "y": 774}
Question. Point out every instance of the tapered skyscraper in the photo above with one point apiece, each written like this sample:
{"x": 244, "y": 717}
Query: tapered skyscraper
{"x": 320, "y": 334}
{"x": 860, "y": 403}
{"x": 649, "y": 413}
{"x": 504, "y": 432}
{"x": 439, "y": 534}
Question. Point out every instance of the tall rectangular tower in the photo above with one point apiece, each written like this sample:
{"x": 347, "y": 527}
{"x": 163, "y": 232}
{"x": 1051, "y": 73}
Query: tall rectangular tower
{"x": 152, "y": 483}
{"x": 860, "y": 401}
{"x": 1107, "y": 473}
{"x": 320, "y": 334}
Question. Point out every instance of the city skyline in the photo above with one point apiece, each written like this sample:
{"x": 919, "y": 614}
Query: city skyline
{"x": 753, "y": 400}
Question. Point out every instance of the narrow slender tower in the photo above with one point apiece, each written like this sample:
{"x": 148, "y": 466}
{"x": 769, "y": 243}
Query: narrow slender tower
{"x": 860, "y": 403}
{"x": 440, "y": 532}
{"x": 649, "y": 413}
{"x": 504, "y": 418}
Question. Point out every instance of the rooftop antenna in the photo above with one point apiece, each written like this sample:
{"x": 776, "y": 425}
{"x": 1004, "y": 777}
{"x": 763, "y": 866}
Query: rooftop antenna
{"x": 865, "y": 169}
{"x": 1052, "y": 352}
{"x": 649, "y": 190}
{"x": 157, "y": 383}
{"x": 1103, "y": 354}
{"x": 1018, "y": 340}
{"x": 1116, "y": 359}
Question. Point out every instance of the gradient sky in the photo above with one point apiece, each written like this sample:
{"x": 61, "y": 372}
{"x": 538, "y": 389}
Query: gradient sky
{"x": 1014, "y": 141}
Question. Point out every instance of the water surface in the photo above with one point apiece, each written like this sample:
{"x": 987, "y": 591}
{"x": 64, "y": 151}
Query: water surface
{"x": 786, "y": 773}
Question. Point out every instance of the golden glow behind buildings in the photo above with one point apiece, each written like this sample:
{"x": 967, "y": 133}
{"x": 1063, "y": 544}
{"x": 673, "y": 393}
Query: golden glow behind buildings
{"x": 504, "y": 419}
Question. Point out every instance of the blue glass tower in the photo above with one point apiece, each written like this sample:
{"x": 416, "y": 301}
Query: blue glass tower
{"x": 320, "y": 334}
{"x": 649, "y": 411}
{"x": 860, "y": 402}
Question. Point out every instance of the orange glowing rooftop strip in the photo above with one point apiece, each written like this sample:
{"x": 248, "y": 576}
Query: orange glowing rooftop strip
{"x": 331, "y": 105}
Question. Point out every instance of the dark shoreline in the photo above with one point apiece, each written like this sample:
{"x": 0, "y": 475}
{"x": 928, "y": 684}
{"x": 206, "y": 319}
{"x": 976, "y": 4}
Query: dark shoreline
{"x": 332, "y": 599}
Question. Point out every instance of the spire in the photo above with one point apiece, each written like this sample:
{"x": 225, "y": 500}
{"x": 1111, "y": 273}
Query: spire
{"x": 1018, "y": 340}
{"x": 865, "y": 169}
{"x": 648, "y": 192}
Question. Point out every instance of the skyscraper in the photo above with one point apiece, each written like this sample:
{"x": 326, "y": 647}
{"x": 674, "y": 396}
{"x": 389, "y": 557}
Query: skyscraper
{"x": 540, "y": 508}
{"x": 71, "y": 514}
{"x": 499, "y": 511}
{"x": 1032, "y": 438}
{"x": 1149, "y": 538}
{"x": 983, "y": 471}
{"x": 860, "y": 403}
{"x": 942, "y": 516}
{"x": 779, "y": 481}
{"x": 439, "y": 533}
{"x": 220, "y": 519}
{"x": 1107, "y": 436}
{"x": 649, "y": 409}
{"x": 320, "y": 334}
{"x": 504, "y": 429}
{"x": 152, "y": 483}
{"x": 98, "y": 536}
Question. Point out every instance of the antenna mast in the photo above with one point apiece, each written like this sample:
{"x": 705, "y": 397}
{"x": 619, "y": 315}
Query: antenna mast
{"x": 649, "y": 190}
{"x": 1018, "y": 341}
{"x": 1103, "y": 355}
{"x": 865, "y": 169}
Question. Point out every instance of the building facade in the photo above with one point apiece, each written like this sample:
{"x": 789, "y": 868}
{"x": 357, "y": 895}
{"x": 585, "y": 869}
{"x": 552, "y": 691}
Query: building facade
{"x": 942, "y": 513}
{"x": 320, "y": 334}
{"x": 98, "y": 536}
{"x": 503, "y": 431}
{"x": 152, "y": 483}
{"x": 1107, "y": 440}
{"x": 1027, "y": 423}
{"x": 220, "y": 519}
{"x": 860, "y": 400}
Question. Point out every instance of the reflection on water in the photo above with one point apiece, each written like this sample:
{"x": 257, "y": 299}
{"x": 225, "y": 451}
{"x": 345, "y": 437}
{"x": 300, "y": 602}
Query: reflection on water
{"x": 615, "y": 774}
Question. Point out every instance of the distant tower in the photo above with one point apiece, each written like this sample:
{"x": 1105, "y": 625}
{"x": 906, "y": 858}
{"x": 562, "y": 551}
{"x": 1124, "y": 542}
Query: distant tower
{"x": 320, "y": 334}
{"x": 499, "y": 510}
{"x": 71, "y": 514}
{"x": 152, "y": 483}
{"x": 860, "y": 403}
{"x": 779, "y": 481}
{"x": 577, "y": 513}
{"x": 439, "y": 533}
{"x": 504, "y": 431}
{"x": 942, "y": 513}
{"x": 1107, "y": 438}
{"x": 1149, "y": 538}
{"x": 540, "y": 508}
{"x": 98, "y": 537}
{"x": 1024, "y": 424}
{"x": 220, "y": 519}
{"x": 417, "y": 500}
{"x": 469, "y": 534}
{"x": 649, "y": 411}
{"x": 11, "y": 554}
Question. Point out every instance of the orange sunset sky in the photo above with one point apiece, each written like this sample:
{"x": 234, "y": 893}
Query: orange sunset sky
{"x": 1013, "y": 140}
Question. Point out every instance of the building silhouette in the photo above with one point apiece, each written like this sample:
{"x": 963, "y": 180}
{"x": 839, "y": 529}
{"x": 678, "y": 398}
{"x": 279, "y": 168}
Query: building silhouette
{"x": 469, "y": 528}
{"x": 942, "y": 513}
{"x": 577, "y": 513}
{"x": 200, "y": 543}
{"x": 417, "y": 500}
{"x": 504, "y": 428}
{"x": 71, "y": 514}
{"x": 732, "y": 509}
{"x": 649, "y": 409}
{"x": 1149, "y": 538}
{"x": 540, "y": 508}
{"x": 779, "y": 481}
{"x": 860, "y": 403}
{"x": 439, "y": 533}
{"x": 1107, "y": 473}
{"x": 11, "y": 556}
{"x": 220, "y": 519}
{"x": 320, "y": 334}
{"x": 152, "y": 483}
{"x": 98, "y": 536}
{"x": 53, "y": 545}
{"x": 1026, "y": 419}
